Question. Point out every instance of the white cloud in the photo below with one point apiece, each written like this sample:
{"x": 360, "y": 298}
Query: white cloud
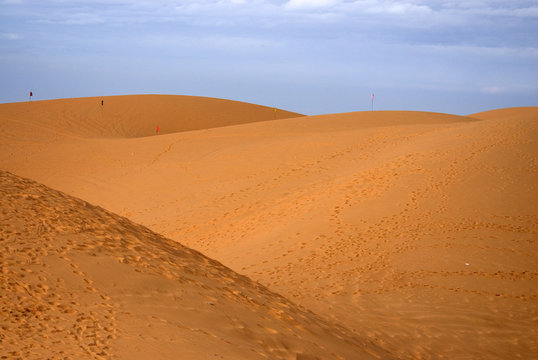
{"x": 493, "y": 89}
{"x": 526, "y": 12}
{"x": 10, "y": 36}
{"x": 482, "y": 51}
{"x": 490, "y": 8}
{"x": 406, "y": 8}
{"x": 309, "y": 4}
{"x": 210, "y": 42}
{"x": 517, "y": 87}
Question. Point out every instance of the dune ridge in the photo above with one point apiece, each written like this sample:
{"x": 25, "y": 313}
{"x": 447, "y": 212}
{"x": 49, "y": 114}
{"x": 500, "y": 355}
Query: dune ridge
{"x": 414, "y": 230}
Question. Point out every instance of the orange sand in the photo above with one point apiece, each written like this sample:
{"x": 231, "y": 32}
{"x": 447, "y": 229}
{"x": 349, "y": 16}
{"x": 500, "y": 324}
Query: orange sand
{"x": 81, "y": 282}
{"x": 414, "y": 231}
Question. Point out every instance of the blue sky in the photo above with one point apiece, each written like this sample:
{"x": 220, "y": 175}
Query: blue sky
{"x": 310, "y": 56}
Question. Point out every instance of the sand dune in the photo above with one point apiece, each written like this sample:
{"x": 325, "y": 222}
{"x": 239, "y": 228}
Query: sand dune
{"x": 129, "y": 116}
{"x": 520, "y": 113}
{"x": 414, "y": 230}
{"x": 80, "y": 282}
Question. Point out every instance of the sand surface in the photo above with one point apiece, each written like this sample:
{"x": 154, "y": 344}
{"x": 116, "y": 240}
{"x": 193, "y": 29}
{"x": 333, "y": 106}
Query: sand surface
{"x": 416, "y": 232}
{"x": 80, "y": 282}
{"x": 131, "y": 116}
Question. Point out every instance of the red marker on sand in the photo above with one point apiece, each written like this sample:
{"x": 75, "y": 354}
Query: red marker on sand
{"x": 157, "y": 131}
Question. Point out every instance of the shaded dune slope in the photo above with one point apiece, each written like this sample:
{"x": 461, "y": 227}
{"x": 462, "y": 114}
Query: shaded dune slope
{"x": 131, "y": 115}
{"x": 80, "y": 282}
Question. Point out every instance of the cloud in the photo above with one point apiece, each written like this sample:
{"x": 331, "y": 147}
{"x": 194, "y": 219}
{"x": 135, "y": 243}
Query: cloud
{"x": 309, "y": 4}
{"x": 493, "y": 89}
{"x": 389, "y": 7}
{"x": 230, "y": 43}
{"x": 10, "y": 36}
{"x": 494, "y": 9}
{"x": 357, "y": 7}
{"x": 478, "y": 51}
{"x": 390, "y": 13}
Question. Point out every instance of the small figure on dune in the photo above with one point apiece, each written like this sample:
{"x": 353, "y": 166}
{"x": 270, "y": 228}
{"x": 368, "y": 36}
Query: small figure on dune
{"x": 157, "y": 130}
{"x": 101, "y": 102}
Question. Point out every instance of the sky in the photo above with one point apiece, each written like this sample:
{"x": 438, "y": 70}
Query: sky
{"x": 309, "y": 56}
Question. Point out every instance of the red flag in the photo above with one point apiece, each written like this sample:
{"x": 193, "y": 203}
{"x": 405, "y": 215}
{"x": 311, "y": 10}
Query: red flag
{"x": 372, "y": 96}
{"x": 31, "y": 93}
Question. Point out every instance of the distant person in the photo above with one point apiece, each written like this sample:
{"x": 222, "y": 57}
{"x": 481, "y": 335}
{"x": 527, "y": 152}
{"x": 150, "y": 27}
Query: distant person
{"x": 157, "y": 131}
{"x": 101, "y": 102}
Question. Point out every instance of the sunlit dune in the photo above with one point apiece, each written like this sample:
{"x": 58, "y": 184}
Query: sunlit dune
{"x": 415, "y": 232}
{"x": 130, "y": 116}
{"x": 81, "y": 282}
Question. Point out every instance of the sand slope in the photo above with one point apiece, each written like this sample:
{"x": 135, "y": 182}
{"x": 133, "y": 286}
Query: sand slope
{"x": 518, "y": 113}
{"x": 416, "y": 230}
{"x": 129, "y": 116}
{"x": 80, "y": 282}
